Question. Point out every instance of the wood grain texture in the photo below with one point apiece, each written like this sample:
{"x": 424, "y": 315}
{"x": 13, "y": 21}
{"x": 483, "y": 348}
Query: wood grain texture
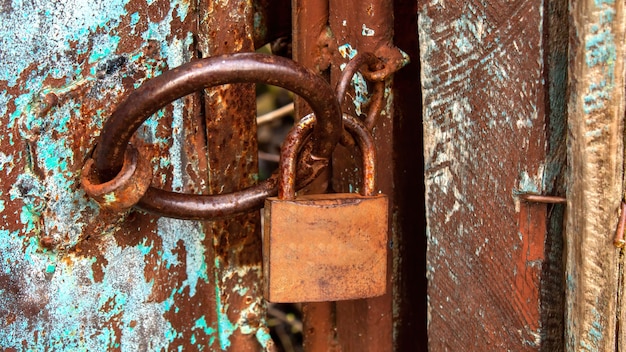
{"x": 485, "y": 120}
{"x": 596, "y": 112}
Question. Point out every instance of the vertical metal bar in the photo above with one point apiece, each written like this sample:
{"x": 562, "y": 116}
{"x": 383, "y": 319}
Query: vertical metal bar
{"x": 310, "y": 26}
{"x": 363, "y": 325}
{"x": 230, "y": 112}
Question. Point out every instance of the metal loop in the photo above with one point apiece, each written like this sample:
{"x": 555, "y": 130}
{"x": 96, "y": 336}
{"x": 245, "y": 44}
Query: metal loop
{"x": 209, "y": 72}
{"x": 123, "y": 191}
{"x": 370, "y": 62}
{"x": 289, "y": 153}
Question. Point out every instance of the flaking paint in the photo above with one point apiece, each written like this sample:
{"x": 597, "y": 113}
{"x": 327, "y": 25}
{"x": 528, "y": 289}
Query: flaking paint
{"x": 483, "y": 139}
{"x": 70, "y": 297}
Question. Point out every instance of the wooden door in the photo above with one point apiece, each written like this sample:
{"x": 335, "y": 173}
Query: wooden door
{"x": 523, "y": 97}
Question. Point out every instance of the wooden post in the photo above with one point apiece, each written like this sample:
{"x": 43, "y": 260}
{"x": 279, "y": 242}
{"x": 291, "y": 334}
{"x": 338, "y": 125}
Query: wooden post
{"x": 596, "y": 113}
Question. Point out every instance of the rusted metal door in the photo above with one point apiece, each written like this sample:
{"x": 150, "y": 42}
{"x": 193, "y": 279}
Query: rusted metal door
{"x": 75, "y": 277}
{"x": 78, "y": 277}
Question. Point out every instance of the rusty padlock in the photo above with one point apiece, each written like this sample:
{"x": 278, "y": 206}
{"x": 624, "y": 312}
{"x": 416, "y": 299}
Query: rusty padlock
{"x": 326, "y": 247}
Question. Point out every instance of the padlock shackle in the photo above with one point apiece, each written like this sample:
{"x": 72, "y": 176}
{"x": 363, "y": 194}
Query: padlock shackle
{"x": 289, "y": 153}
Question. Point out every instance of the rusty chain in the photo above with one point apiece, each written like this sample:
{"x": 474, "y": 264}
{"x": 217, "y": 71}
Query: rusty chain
{"x": 118, "y": 177}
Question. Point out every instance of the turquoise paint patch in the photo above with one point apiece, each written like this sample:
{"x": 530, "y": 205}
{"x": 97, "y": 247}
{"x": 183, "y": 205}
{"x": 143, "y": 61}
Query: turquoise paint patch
{"x": 527, "y": 184}
{"x": 264, "y": 337}
{"x": 104, "y": 48}
{"x": 50, "y": 268}
{"x": 202, "y": 324}
{"x": 224, "y": 327}
{"x": 596, "y": 331}
{"x": 134, "y": 19}
{"x": 182, "y": 9}
{"x": 600, "y": 48}
{"x": 174, "y": 231}
{"x": 347, "y": 52}
{"x": 143, "y": 248}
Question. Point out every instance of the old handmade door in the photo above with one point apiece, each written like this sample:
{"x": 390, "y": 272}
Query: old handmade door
{"x": 78, "y": 278}
{"x": 504, "y": 85}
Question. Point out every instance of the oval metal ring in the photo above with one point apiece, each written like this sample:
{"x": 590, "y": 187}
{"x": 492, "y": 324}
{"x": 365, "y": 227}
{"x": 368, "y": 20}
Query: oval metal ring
{"x": 191, "y": 77}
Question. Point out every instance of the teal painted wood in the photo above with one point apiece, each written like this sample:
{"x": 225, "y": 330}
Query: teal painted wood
{"x": 485, "y": 119}
{"x": 594, "y": 267}
{"x": 73, "y": 277}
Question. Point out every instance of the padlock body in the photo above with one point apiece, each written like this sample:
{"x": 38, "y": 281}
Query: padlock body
{"x": 325, "y": 247}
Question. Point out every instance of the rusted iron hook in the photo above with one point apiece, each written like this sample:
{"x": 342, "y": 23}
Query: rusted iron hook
{"x": 370, "y": 63}
{"x": 235, "y": 68}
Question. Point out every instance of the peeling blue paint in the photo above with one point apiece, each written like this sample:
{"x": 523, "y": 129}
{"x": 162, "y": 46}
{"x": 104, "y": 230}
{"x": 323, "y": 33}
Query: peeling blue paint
{"x": 225, "y": 327}
{"x": 264, "y": 338}
{"x": 600, "y": 51}
{"x": 71, "y": 310}
{"x": 347, "y": 51}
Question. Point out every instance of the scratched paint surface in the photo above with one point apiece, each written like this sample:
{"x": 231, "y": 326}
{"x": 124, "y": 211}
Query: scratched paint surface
{"x": 71, "y": 276}
{"x": 484, "y": 142}
{"x": 595, "y": 151}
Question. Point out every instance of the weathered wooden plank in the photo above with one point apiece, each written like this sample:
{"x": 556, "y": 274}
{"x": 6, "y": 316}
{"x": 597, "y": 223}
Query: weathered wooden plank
{"x": 596, "y": 113}
{"x": 484, "y": 139}
{"x": 73, "y": 277}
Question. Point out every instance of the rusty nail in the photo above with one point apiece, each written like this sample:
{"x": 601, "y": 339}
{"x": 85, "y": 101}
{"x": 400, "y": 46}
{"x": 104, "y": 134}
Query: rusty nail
{"x": 537, "y": 198}
{"x": 619, "y": 235}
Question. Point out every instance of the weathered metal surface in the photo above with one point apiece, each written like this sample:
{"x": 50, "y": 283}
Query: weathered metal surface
{"x": 325, "y": 247}
{"x": 367, "y": 62}
{"x": 317, "y": 247}
{"x": 230, "y": 112}
{"x": 311, "y": 48}
{"x": 358, "y": 27}
{"x": 125, "y": 189}
{"x": 595, "y": 152}
{"x": 74, "y": 277}
{"x": 485, "y": 122}
{"x": 209, "y": 72}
